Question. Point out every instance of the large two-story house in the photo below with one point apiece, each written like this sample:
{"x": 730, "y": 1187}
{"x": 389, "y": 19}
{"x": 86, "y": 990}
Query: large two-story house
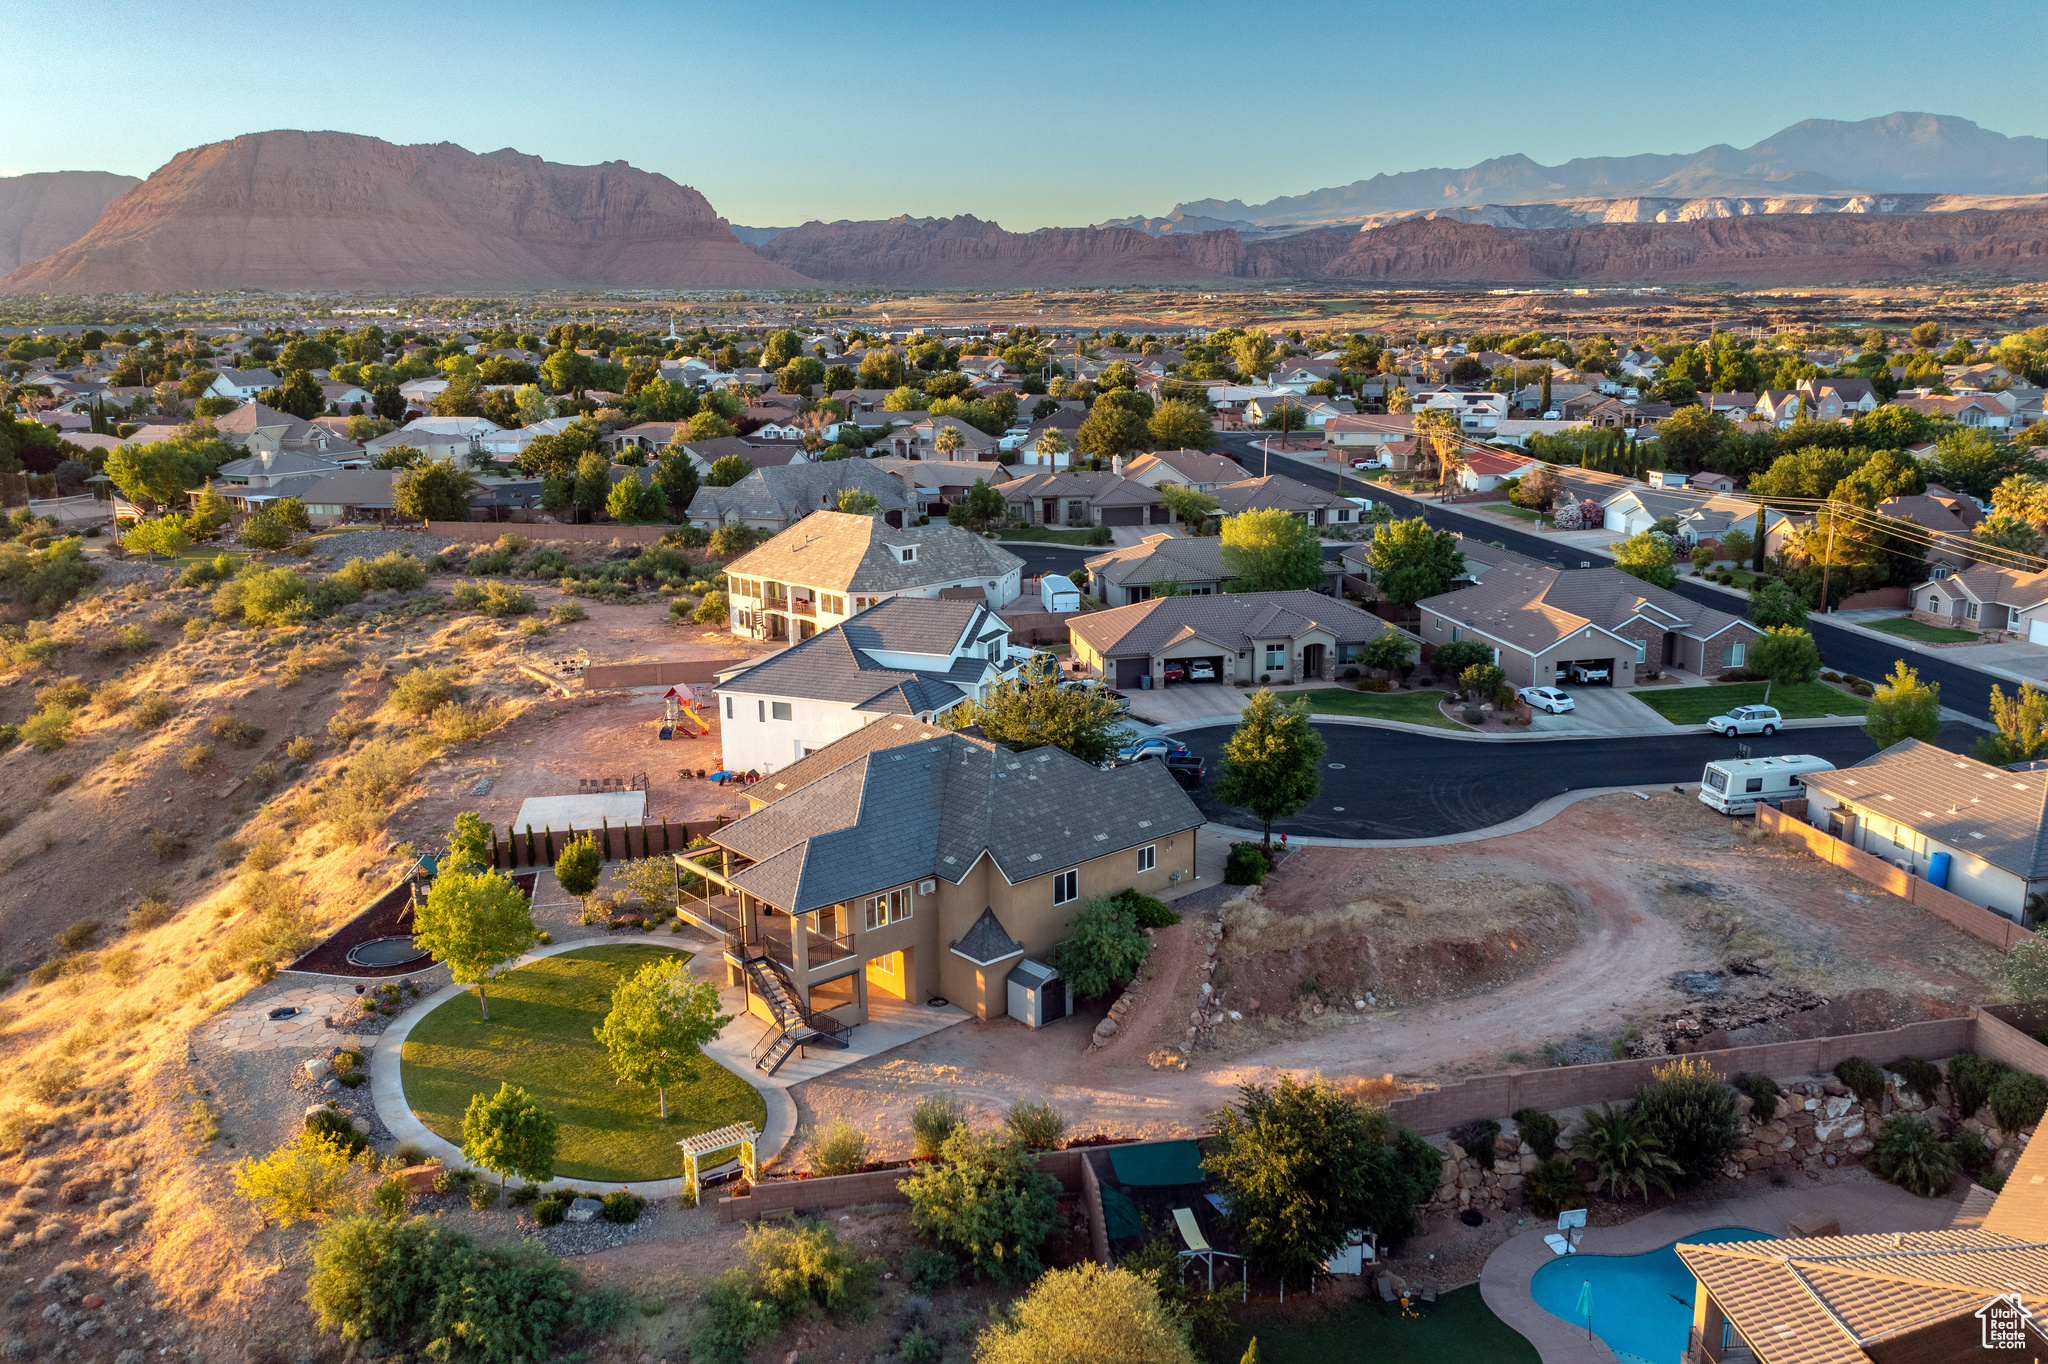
{"x": 833, "y": 565}
{"x": 906, "y": 863}
{"x": 775, "y": 497}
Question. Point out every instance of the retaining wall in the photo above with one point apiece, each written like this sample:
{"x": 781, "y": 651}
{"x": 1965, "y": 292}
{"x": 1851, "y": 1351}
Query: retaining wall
{"x": 694, "y": 671}
{"x": 619, "y": 841}
{"x": 1973, "y": 919}
{"x": 879, "y": 1186}
{"x": 485, "y": 532}
{"x": 1895, "y": 597}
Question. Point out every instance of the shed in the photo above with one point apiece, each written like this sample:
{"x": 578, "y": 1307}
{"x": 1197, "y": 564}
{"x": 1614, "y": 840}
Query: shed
{"x": 1057, "y": 593}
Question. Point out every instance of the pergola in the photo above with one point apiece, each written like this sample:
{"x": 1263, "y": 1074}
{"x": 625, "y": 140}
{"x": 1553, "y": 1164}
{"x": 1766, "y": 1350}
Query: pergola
{"x": 703, "y": 1144}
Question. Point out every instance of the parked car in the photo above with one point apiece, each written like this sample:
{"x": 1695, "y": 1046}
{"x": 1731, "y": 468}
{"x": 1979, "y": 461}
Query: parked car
{"x": 1748, "y": 720}
{"x": 1201, "y": 670}
{"x": 1547, "y": 698}
{"x": 1585, "y": 674}
{"x": 1175, "y": 673}
{"x": 1152, "y": 748}
{"x": 1373, "y": 463}
{"x": 1187, "y": 770}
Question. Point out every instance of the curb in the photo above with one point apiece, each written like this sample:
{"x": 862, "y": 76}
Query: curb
{"x": 1540, "y": 737}
{"x": 387, "y": 1084}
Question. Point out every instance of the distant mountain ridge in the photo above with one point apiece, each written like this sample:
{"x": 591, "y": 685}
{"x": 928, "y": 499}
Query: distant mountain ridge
{"x": 1895, "y": 153}
{"x": 47, "y": 212}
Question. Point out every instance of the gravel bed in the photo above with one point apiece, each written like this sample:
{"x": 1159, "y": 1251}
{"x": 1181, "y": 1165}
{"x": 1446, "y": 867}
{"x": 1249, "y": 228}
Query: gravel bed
{"x": 335, "y": 550}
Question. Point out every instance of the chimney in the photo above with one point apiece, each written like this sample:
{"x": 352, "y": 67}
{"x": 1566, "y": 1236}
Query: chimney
{"x": 1116, "y": 465}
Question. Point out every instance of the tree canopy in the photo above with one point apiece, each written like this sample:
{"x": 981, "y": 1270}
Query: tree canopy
{"x": 510, "y": 1134}
{"x": 435, "y": 491}
{"x": 1271, "y": 550}
{"x": 659, "y": 1023}
{"x": 1649, "y": 556}
{"x": 1904, "y": 707}
{"x": 1412, "y": 560}
{"x": 476, "y": 922}
{"x": 1273, "y": 764}
{"x": 1032, "y": 710}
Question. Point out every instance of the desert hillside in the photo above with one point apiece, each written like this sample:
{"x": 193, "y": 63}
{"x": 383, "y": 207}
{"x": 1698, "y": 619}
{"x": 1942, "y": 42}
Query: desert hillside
{"x": 40, "y": 214}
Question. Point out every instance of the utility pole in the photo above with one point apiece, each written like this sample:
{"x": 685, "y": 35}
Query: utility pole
{"x": 1829, "y": 561}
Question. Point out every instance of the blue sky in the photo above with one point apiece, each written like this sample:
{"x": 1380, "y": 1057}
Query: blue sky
{"x": 1028, "y": 115}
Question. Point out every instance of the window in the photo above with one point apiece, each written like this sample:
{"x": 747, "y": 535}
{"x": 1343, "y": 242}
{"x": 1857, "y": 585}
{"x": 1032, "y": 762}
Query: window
{"x": 1970, "y": 610}
{"x": 1753, "y": 784}
{"x": 1457, "y": 634}
{"x": 995, "y": 651}
{"x": 1276, "y": 655}
{"x": 832, "y": 602}
{"x": 1439, "y": 624}
{"x": 1736, "y": 653}
{"x": 890, "y": 907}
{"x": 1639, "y": 653}
{"x": 907, "y": 554}
{"x": 779, "y": 710}
{"x": 1148, "y": 857}
{"x": 728, "y": 708}
{"x": 761, "y": 712}
{"x": 1066, "y": 886}
{"x": 1933, "y": 602}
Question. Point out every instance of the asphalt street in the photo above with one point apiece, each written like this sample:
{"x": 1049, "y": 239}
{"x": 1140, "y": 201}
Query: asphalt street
{"x": 1444, "y": 786}
{"x": 1963, "y": 688}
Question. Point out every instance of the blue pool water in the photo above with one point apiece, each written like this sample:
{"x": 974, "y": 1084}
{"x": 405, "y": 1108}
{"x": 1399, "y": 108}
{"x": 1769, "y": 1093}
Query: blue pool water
{"x": 1642, "y": 1304}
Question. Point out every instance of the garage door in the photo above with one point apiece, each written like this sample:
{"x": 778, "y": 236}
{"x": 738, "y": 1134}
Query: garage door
{"x": 1123, "y": 516}
{"x": 1128, "y": 671}
{"x": 1187, "y": 666}
{"x": 2037, "y": 631}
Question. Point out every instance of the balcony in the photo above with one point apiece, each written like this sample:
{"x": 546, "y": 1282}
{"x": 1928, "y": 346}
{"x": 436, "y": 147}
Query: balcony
{"x": 774, "y": 936}
{"x": 803, "y": 606}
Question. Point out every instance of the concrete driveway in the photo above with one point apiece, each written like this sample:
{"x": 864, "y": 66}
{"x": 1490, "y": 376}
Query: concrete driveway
{"x": 1187, "y": 703}
{"x": 1599, "y": 710}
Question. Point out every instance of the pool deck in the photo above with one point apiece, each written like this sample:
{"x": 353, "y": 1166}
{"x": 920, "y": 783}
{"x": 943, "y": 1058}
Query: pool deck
{"x": 1861, "y": 1203}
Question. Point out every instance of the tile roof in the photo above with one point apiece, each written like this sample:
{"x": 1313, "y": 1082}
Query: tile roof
{"x": 1534, "y": 606}
{"x": 2006, "y": 585}
{"x": 841, "y": 552}
{"x": 1991, "y": 812}
{"x": 1233, "y": 620}
{"x": 1098, "y": 487}
{"x": 1192, "y": 466}
{"x": 791, "y": 491}
{"x": 1270, "y": 492}
{"x": 1163, "y": 558}
{"x": 934, "y": 807}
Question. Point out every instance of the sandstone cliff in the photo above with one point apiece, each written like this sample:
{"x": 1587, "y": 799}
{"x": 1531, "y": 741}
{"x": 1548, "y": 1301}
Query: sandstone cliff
{"x": 299, "y": 210}
{"x": 43, "y": 213}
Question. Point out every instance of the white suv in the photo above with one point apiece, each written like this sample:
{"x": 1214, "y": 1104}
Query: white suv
{"x": 1747, "y": 720}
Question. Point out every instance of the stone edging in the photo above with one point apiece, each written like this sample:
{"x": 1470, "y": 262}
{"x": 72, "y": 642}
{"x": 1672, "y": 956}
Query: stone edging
{"x": 387, "y": 1086}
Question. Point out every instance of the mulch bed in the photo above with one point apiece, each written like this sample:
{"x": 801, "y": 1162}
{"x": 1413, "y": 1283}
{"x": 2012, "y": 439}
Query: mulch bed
{"x": 390, "y": 916}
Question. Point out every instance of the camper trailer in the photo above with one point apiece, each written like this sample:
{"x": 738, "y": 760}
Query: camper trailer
{"x": 1734, "y": 786}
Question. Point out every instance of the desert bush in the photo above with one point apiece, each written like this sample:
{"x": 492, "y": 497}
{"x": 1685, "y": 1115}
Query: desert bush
{"x": 57, "y": 781}
{"x": 263, "y": 597}
{"x": 397, "y": 571}
{"x": 1691, "y": 1113}
{"x": 112, "y": 698}
{"x": 1763, "y": 1093}
{"x": 1911, "y": 1154}
{"x": 169, "y": 618}
{"x": 1103, "y": 950}
{"x": 264, "y": 773}
{"x": 265, "y": 853}
{"x": 1070, "y": 1313}
{"x": 365, "y": 793}
{"x": 1554, "y": 1186}
{"x": 305, "y": 660}
{"x": 302, "y": 749}
{"x": 195, "y": 758}
{"x": 1037, "y": 1124}
{"x": 494, "y": 599}
{"x": 424, "y": 690}
{"x": 935, "y": 1118}
{"x": 532, "y": 628}
{"x": 567, "y": 611}
{"x": 987, "y": 1202}
{"x": 1922, "y": 1077}
{"x": 1247, "y": 865}
{"x": 623, "y": 1207}
{"x": 49, "y": 729}
{"x": 458, "y": 722}
{"x": 788, "y": 1273}
{"x": 235, "y": 730}
{"x": 479, "y": 639}
{"x": 839, "y": 1148}
{"x": 927, "y": 1269}
{"x": 1538, "y": 1129}
{"x": 152, "y": 711}
{"x": 2018, "y": 1099}
{"x": 1478, "y": 1137}
{"x": 1863, "y": 1078}
{"x": 69, "y": 693}
{"x": 1970, "y": 1078}
{"x": 76, "y": 936}
{"x": 151, "y": 913}
{"x": 344, "y": 726}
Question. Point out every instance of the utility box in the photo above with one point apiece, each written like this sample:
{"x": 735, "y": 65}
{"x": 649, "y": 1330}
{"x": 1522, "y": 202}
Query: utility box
{"x": 1037, "y": 994}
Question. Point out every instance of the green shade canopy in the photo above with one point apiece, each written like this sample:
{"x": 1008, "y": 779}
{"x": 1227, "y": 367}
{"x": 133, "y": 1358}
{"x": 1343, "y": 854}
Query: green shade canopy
{"x": 1160, "y": 1162}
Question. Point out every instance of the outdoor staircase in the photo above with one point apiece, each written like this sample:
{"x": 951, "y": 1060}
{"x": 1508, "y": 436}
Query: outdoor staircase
{"x": 795, "y": 1027}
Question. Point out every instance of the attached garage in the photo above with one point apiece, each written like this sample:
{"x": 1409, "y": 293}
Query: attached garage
{"x": 2037, "y": 631}
{"x": 1123, "y": 516}
{"x": 1128, "y": 671}
{"x": 1219, "y": 666}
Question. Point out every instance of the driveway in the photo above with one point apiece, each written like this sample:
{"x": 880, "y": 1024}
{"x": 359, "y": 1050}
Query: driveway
{"x": 1383, "y": 783}
{"x": 1187, "y": 703}
{"x": 1599, "y": 710}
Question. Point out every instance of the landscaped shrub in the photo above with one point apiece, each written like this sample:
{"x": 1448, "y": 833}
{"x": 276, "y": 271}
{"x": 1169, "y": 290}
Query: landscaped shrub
{"x": 1691, "y": 1112}
{"x": 2018, "y": 1099}
{"x": 550, "y": 1208}
{"x": 483, "y": 1195}
{"x": 1477, "y": 1137}
{"x": 1553, "y": 1187}
{"x": 927, "y": 1269}
{"x": 1922, "y": 1077}
{"x": 1149, "y": 911}
{"x": 1863, "y": 1077}
{"x": 334, "y": 1125}
{"x": 933, "y": 1120}
{"x": 1763, "y": 1093}
{"x": 988, "y": 1203}
{"x": 1538, "y": 1129}
{"x": 1036, "y": 1123}
{"x": 1973, "y": 1153}
{"x": 1912, "y": 1155}
{"x": 1627, "y": 1158}
{"x": 1970, "y": 1078}
{"x": 1103, "y": 950}
{"x": 789, "y": 1273}
{"x": 839, "y": 1148}
{"x": 623, "y": 1207}
{"x": 1247, "y": 865}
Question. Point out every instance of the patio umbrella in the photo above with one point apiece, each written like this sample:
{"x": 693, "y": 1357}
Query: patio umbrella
{"x": 1586, "y": 1305}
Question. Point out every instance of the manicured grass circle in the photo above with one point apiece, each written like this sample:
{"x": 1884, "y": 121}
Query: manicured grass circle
{"x": 540, "y": 1038}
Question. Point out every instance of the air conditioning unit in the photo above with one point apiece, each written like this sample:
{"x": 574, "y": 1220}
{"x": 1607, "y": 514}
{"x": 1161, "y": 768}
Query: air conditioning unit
{"x": 927, "y": 887}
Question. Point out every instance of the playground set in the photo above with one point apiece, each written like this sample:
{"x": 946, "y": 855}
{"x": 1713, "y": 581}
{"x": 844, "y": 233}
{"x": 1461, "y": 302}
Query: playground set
{"x": 679, "y": 715}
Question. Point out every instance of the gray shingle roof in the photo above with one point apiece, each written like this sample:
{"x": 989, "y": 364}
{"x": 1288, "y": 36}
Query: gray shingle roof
{"x": 831, "y": 666}
{"x": 1533, "y": 606}
{"x": 987, "y": 941}
{"x": 1162, "y": 558}
{"x": 1990, "y": 812}
{"x": 1234, "y": 620}
{"x": 790, "y": 491}
{"x": 934, "y": 807}
{"x": 840, "y": 552}
{"x": 1274, "y": 490}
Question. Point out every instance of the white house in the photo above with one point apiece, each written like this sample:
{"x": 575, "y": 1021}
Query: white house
{"x": 242, "y": 385}
{"x": 422, "y": 392}
{"x": 1478, "y": 414}
{"x": 905, "y": 656}
{"x": 1972, "y": 828}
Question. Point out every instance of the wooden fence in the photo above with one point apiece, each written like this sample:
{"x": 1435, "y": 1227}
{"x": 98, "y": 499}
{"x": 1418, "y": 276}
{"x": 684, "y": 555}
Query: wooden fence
{"x": 1975, "y": 920}
{"x": 530, "y": 847}
{"x": 484, "y": 532}
{"x": 693, "y": 671}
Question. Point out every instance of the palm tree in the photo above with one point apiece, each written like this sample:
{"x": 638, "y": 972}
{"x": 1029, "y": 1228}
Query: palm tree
{"x": 1625, "y": 1157}
{"x": 948, "y": 440}
{"x": 1052, "y": 445}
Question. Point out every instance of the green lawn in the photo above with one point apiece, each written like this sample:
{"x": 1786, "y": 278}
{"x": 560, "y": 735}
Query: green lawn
{"x": 539, "y": 1038}
{"x": 1459, "y": 1329}
{"x": 1905, "y": 627}
{"x": 1047, "y": 534}
{"x": 1416, "y": 707}
{"x": 1697, "y": 705}
{"x": 1510, "y": 509}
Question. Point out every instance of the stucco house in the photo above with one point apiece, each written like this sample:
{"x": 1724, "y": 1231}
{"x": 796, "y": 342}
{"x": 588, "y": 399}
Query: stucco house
{"x": 1987, "y": 599}
{"x": 1248, "y": 637}
{"x": 775, "y": 497}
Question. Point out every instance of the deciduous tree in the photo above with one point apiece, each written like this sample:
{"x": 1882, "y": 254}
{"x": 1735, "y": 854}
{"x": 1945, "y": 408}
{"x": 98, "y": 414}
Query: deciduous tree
{"x": 510, "y": 1134}
{"x": 476, "y": 922}
{"x": 1904, "y": 708}
{"x": 659, "y": 1023}
{"x": 1270, "y": 550}
{"x": 1273, "y": 764}
{"x": 1412, "y": 560}
{"x": 1032, "y": 710}
{"x": 1786, "y": 654}
{"x": 1648, "y": 555}
{"x": 435, "y": 491}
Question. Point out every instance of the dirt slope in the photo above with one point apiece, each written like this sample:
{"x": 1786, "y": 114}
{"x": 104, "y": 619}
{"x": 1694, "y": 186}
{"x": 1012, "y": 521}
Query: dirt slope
{"x": 322, "y": 210}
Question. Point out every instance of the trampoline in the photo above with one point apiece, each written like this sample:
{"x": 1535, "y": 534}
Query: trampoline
{"x": 396, "y": 951}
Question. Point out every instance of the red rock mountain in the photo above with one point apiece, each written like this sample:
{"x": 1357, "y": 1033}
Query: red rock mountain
{"x": 299, "y": 210}
{"x": 1763, "y": 250}
{"x": 47, "y": 212}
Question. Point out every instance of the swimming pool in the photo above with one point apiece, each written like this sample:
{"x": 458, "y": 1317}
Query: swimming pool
{"x": 1642, "y": 1304}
